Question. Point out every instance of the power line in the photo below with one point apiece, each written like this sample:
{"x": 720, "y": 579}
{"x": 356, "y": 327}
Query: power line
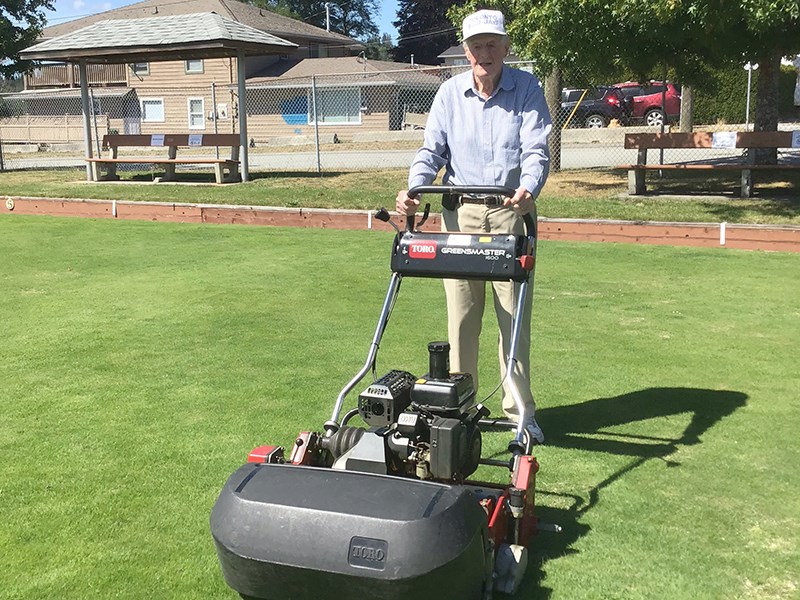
{"x": 425, "y": 34}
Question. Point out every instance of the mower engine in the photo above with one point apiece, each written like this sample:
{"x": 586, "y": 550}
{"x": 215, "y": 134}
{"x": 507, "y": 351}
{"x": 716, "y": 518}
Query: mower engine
{"x": 423, "y": 428}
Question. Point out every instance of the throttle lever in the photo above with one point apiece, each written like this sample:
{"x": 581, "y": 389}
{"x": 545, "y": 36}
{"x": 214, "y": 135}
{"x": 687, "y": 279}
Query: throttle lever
{"x": 426, "y": 211}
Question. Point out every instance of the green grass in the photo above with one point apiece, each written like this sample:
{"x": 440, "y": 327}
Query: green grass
{"x": 587, "y": 193}
{"x": 139, "y": 362}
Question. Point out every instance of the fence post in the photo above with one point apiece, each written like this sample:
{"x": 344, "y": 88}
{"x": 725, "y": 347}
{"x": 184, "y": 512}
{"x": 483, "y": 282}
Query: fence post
{"x": 316, "y": 121}
{"x": 214, "y": 112}
{"x": 2, "y": 168}
{"x": 245, "y": 154}
{"x": 94, "y": 121}
{"x": 87, "y": 125}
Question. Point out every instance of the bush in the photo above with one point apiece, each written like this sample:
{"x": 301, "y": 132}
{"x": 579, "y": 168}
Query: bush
{"x": 723, "y": 97}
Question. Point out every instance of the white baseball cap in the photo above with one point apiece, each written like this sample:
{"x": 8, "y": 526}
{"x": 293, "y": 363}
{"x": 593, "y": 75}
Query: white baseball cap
{"x": 483, "y": 21}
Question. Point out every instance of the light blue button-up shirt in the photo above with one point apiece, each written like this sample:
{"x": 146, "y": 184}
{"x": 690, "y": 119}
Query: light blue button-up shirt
{"x": 501, "y": 140}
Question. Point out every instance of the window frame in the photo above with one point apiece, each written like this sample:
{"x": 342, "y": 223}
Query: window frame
{"x": 345, "y": 117}
{"x": 202, "y": 112}
{"x": 135, "y": 71}
{"x": 163, "y": 118}
{"x": 189, "y": 71}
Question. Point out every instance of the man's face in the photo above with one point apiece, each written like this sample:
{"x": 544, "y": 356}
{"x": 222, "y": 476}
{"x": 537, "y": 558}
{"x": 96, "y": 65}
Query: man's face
{"x": 485, "y": 53}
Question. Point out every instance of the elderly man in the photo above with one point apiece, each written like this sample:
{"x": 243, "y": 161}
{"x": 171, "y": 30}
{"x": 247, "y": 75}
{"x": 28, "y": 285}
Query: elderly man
{"x": 487, "y": 126}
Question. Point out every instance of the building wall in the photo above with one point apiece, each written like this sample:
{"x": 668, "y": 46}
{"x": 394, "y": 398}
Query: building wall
{"x": 266, "y": 129}
{"x": 170, "y": 74}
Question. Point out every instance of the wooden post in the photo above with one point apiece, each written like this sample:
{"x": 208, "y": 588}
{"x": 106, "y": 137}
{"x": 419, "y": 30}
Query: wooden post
{"x": 747, "y": 183}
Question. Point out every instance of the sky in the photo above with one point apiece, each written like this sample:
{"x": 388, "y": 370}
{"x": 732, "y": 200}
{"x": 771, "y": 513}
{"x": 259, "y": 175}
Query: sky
{"x": 66, "y": 10}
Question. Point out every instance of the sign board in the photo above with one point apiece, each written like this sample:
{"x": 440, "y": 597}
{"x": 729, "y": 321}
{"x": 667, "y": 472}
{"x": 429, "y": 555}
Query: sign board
{"x": 157, "y": 139}
{"x": 796, "y": 139}
{"x": 196, "y": 139}
{"x": 723, "y": 139}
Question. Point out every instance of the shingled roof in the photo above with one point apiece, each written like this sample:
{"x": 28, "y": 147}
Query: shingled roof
{"x": 346, "y": 71}
{"x": 246, "y": 14}
{"x": 202, "y": 35}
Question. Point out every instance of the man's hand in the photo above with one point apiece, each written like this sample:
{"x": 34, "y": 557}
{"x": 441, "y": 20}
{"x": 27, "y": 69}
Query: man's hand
{"x": 406, "y": 205}
{"x": 521, "y": 202}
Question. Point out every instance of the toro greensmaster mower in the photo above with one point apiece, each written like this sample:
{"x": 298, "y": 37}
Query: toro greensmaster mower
{"x": 387, "y": 510}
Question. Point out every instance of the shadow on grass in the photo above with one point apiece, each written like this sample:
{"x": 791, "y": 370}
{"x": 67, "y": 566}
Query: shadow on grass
{"x": 773, "y": 204}
{"x": 584, "y": 427}
{"x": 774, "y": 192}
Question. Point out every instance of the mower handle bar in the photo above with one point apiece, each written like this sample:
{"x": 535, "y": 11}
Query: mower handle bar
{"x": 493, "y": 190}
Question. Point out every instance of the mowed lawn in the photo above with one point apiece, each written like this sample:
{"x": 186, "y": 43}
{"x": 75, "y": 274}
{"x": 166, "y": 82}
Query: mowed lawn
{"x": 140, "y": 362}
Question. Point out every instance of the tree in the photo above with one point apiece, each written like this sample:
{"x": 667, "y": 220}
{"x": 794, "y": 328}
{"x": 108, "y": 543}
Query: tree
{"x": 277, "y": 6}
{"x": 353, "y": 18}
{"x": 424, "y": 30}
{"x": 21, "y": 23}
{"x": 379, "y": 47}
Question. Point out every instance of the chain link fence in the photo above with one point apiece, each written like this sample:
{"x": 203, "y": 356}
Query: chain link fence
{"x": 373, "y": 119}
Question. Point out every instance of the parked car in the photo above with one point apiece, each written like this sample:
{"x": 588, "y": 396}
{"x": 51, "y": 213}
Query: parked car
{"x": 644, "y": 101}
{"x": 595, "y": 108}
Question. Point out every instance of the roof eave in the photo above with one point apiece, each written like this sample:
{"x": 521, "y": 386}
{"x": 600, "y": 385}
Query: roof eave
{"x": 185, "y": 51}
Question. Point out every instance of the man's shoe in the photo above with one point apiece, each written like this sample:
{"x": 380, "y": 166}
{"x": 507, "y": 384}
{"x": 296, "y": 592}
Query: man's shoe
{"x": 534, "y": 431}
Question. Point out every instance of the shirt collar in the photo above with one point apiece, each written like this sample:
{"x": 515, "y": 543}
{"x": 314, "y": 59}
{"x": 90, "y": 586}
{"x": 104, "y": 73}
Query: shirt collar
{"x": 506, "y": 82}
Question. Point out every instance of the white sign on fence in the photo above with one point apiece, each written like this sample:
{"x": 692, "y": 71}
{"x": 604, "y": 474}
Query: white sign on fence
{"x": 796, "y": 139}
{"x": 195, "y": 139}
{"x": 723, "y": 139}
{"x": 157, "y": 139}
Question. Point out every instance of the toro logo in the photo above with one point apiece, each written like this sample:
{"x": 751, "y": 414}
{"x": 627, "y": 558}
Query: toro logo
{"x": 424, "y": 250}
{"x": 368, "y": 552}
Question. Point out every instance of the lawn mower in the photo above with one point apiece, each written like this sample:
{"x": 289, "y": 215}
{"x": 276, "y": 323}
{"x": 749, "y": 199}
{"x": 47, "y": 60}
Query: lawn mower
{"x": 388, "y": 510}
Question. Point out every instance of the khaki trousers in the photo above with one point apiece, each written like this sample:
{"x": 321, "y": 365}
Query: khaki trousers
{"x": 466, "y": 300}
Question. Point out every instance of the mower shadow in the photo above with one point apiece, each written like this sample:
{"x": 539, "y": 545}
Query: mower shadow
{"x": 579, "y": 426}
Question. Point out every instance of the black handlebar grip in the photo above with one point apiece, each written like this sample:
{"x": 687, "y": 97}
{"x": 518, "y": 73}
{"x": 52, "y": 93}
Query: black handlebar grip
{"x": 382, "y": 215}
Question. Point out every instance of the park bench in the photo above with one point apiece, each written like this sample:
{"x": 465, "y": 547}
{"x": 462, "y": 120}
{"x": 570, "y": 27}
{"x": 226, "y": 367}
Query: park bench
{"x": 745, "y": 140}
{"x": 104, "y": 168}
{"x": 414, "y": 121}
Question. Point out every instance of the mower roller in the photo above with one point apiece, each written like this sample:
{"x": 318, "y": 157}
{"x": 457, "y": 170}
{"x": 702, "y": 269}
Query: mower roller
{"x": 388, "y": 510}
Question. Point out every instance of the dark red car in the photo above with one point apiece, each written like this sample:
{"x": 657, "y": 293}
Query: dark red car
{"x": 644, "y": 101}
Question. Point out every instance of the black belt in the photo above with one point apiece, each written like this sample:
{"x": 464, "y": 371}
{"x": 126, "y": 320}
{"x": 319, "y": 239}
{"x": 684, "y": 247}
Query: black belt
{"x": 451, "y": 201}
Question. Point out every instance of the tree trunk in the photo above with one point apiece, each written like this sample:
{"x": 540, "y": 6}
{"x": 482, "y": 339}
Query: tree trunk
{"x": 552, "y": 94}
{"x": 766, "y": 118}
{"x": 687, "y": 109}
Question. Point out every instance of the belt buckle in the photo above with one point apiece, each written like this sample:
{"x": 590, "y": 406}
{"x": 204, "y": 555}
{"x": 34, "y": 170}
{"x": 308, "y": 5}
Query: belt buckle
{"x": 481, "y": 199}
{"x": 488, "y": 199}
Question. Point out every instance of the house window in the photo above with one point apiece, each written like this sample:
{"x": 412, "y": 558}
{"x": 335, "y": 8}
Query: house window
{"x": 336, "y": 106}
{"x": 197, "y": 118}
{"x": 152, "y": 110}
{"x": 194, "y": 65}
{"x": 141, "y": 68}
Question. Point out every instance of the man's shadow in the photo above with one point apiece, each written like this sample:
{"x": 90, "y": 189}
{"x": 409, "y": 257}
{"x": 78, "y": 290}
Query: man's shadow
{"x": 585, "y": 427}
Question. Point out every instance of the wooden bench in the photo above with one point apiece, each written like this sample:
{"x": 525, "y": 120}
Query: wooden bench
{"x": 726, "y": 140}
{"x": 104, "y": 168}
{"x": 414, "y": 120}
